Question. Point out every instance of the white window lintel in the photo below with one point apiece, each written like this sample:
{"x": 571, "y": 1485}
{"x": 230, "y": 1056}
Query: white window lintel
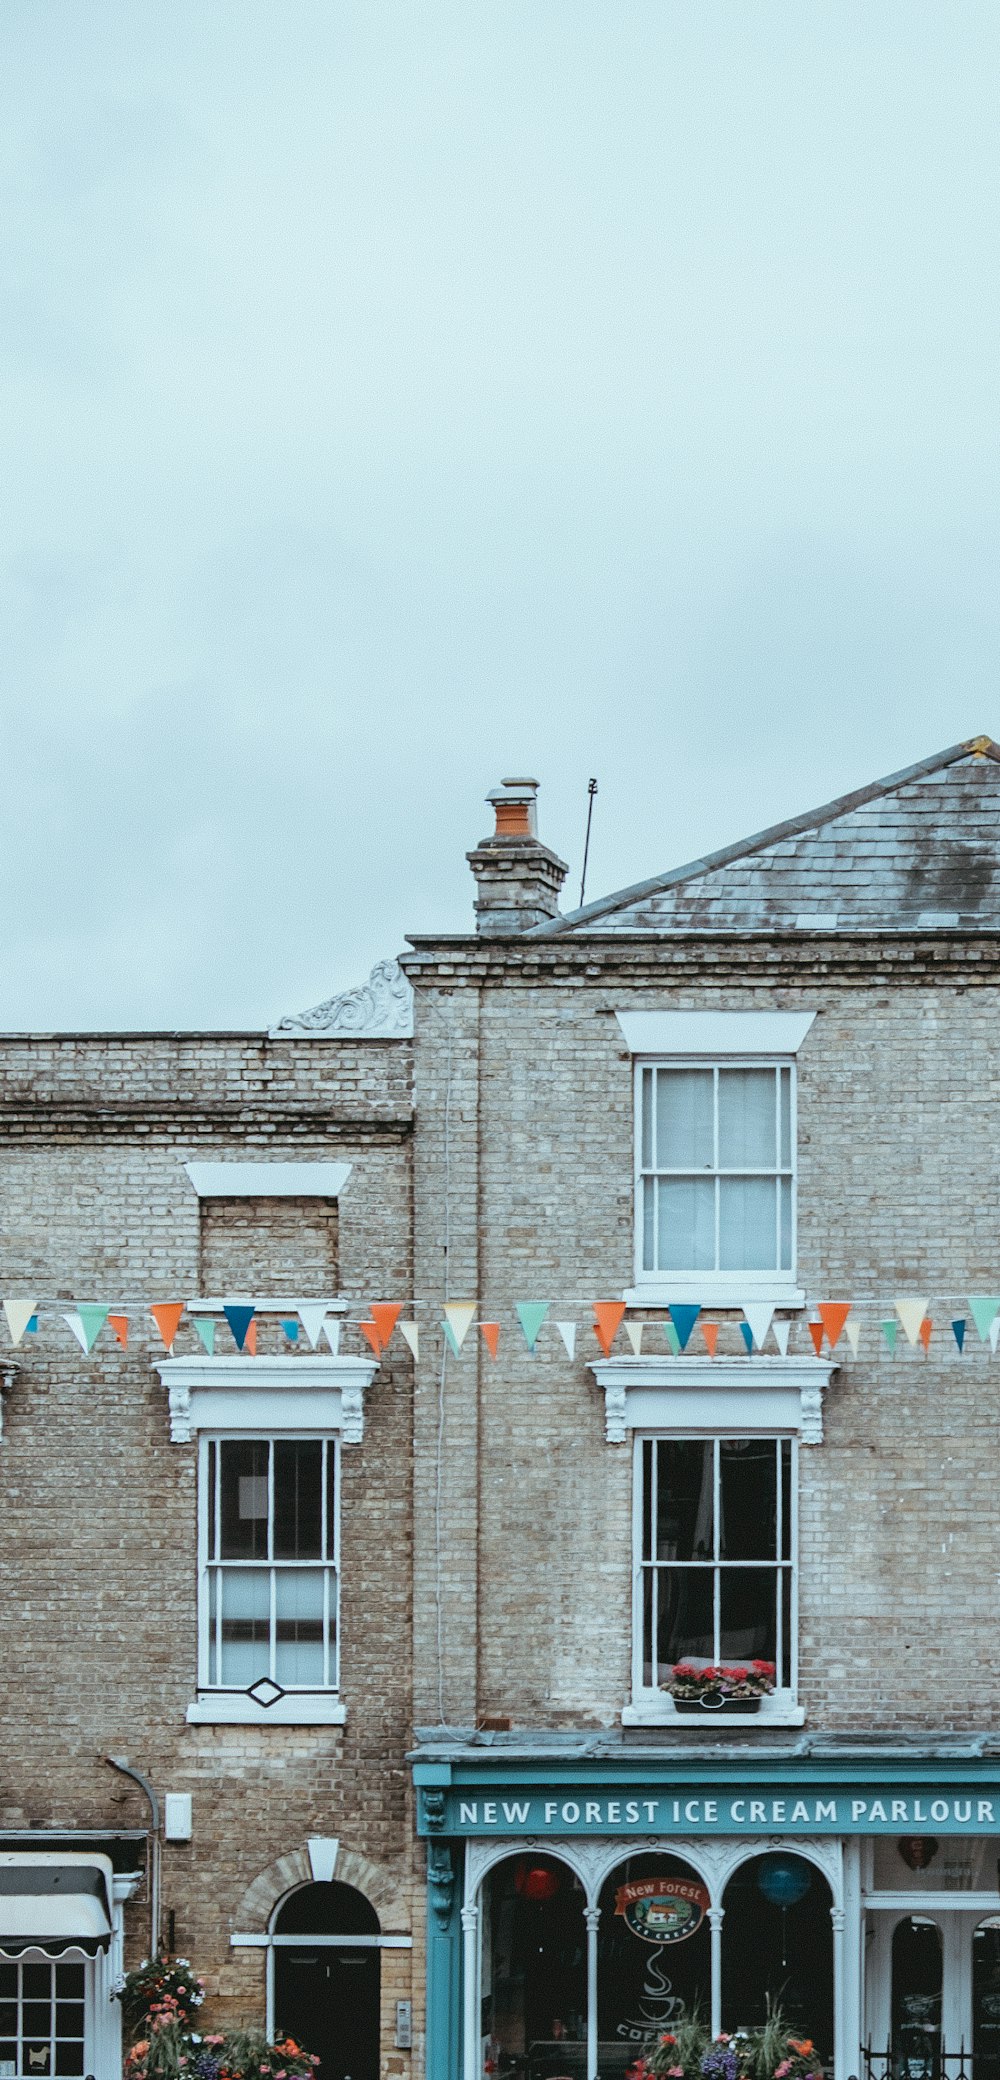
{"x": 714, "y": 1033}
{"x": 267, "y": 1396}
{"x": 715, "y": 1396}
{"x": 268, "y": 1180}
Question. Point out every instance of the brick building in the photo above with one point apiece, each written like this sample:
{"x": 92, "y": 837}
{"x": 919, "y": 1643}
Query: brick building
{"x": 393, "y": 1642}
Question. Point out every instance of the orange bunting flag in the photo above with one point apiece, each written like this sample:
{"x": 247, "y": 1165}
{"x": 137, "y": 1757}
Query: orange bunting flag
{"x": 833, "y": 1314}
{"x": 710, "y": 1331}
{"x": 250, "y": 1339}
{"x": 167, "y": 1315}
{"x": 609, "y": 1314}
{"x": 370, "y": 1333}
{"x": 385, "y": 1314}
{"x": 924, "y": 1331}
{"x": 816, "y": 1332}
{"x": 119, "y": 1323}
{"x": 490, "y": 1333}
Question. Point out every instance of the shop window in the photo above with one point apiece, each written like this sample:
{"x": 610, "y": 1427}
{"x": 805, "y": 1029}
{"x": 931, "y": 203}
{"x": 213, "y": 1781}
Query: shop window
{"x": 917, "y": 1984}
{"x": 986, "y": 1999}
{"x": 534, "y": 1982}
{"x": 715, "y": 1180}
{"x": 777, "y": 1948}
{"x": 42, "y": 2008}
{"x": 269, "y": 1564}
{"x": 715, "y": 1559}
{"x": 653, "y": 1954}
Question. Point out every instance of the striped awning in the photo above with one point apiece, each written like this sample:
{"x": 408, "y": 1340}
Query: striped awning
{"x": 54, "y": 1903}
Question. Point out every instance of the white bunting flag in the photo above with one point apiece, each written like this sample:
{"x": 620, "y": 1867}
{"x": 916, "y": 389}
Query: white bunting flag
{"x": 782, "y": 1331}
{"x": 74, "y": 1323}
{"x": 331, "y": 1330}
{"x": 852, "y": 1331}
{"x": 459, "y": 1315}
{"x": 567, "y": 1331}
{"x": 911, "y": 1314}
{"x": 759, "y": 1316}
{"x": 633, "y": 1331}
{"x": 18, "y": 1313}
{"x": 995, "y": 1333}
{"x": 410, "y": 1333}
{"x": 312, "y": 1315}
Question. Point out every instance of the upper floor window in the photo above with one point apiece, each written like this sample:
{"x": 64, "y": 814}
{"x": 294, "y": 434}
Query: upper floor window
{"x": 714, "y": 1561}
{"x": 716, "y": 1168}
{"x": 269, "y": 1565}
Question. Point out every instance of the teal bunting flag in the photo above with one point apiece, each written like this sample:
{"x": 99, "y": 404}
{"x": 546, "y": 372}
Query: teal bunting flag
{"x": 239, "y": 1319}
{"x": 984, "y": 1308}
{"x": 291, "y": 1330}
{"x": 890, "y": 1331}
{"x": 92, "y": 1320}
{"x": 684, "y": 1319}
{"x": 451, "y": 1340}
{"x": 673, "y": 1338}
{"x": 204, "y": 1329}
{"x": 531, "y": 1314}
{"x": 958, "y": 1331}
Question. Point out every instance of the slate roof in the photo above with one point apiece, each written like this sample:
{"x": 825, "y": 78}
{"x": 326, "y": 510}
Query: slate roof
{"x": 918, "y": 851}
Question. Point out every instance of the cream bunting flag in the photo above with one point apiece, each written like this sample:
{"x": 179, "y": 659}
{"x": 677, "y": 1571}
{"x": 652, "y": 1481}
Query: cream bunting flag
{"x": 759, "y": 1317}
{"x": 782, "y": 1332}
{"x": 633, "y": 1331}
{"x": 911, "y": 1314}
{"x": 18, "y": 1313}
{"x": 567, "y": 1331}
{"x": 410, "y": 1334}
{"x": 459, "y": 1315}
{"x": 312, "y": 1315}
{"x": 852, "y": 1331}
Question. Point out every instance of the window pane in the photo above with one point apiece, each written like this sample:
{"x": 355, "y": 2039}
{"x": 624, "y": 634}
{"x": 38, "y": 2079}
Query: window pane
{"x": 69, "y": 2059}
{"x": 786, "y": 1498}
{"x": 243, "y": 1531}
{"x": 649, "y": 1189}
{"x": 687, "y": 1224}
{"x": 298, "y": 1499}
{"x": 684, "y": 1499}
{"x": 685, "y": 1614}
{"x": 647, "y": 1119}
{"x": 748, "y": 1499}
{"x": 648, "y": 1449}
{"x": 785, "y": 1195}
{"x": 684, "y": 1130}
{"x": 36, "y": 1982}
{"x": 748, "y": 1629}
{"x": 331, "y": 1499}
{"x": 210, "y": 1476}
{"x": 299, "y": 1625}
{"x": 785, "y": 1671}
{"x": 69, "y": 1981}
{"x": 747, "y": 1233}
{"x": 786, "y": 1118}
{"x": 246, "y": 1624}
{"x": 747, "y": 1137}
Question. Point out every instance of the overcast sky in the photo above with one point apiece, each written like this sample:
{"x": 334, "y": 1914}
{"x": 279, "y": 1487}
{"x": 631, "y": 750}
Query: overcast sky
{"x": 401, "y": 395}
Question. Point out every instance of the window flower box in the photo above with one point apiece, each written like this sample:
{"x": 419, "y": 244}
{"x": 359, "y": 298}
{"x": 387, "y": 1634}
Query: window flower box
{"x": 718, "y": 1687}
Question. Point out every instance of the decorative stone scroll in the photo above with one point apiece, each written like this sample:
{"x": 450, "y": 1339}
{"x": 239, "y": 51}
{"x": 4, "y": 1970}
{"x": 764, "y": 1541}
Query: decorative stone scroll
{"x": 380, "y": 1009}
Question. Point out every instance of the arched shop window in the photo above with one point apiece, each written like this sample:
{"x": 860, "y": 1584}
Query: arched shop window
{"x": 534, "y": 1972}
{"x": 653, "y": 1953}
{"x": 986, "y": 1999}
{"x": 917, "y": 1982}
{"x": 777, "y": 1947}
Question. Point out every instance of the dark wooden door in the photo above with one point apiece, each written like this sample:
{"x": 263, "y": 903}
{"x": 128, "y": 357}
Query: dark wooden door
{"x": 328, "y": 1999}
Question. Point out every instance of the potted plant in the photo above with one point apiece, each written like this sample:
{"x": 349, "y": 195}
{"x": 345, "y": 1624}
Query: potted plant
{"x": 720, "y": 1687}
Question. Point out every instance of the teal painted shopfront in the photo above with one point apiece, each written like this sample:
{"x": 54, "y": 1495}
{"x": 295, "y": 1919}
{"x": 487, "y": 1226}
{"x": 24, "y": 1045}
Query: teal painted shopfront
{"x": 578, "y": 1901}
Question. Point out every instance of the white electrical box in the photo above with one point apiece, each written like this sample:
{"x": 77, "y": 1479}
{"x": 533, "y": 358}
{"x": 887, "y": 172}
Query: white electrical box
{"x": 177, "y": 1816}
{"x": 404, "y": 2025}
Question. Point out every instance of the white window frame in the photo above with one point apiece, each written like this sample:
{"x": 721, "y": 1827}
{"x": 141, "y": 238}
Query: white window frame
{"x": 298, "y": 1706}
{"x": 719, "y": 1288}
{"x": 653, "y": 1707}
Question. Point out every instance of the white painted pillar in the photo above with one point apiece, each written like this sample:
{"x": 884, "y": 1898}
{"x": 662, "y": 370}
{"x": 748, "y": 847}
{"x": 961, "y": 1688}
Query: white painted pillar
{"x": 470, "y": 1993}
{"x": 842, "y": 2057}
{"x": 716, "y": 1916}
{"x": 592, "y": 1916}
{"x": 852, "y": 1997}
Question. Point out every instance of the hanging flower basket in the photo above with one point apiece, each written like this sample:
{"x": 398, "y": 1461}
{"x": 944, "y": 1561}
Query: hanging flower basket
{"x": 720, "y": 1688}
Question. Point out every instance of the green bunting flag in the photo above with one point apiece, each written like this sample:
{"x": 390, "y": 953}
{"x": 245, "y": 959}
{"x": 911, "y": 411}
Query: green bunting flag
{"x": 983, "y": 1309}
{"x": 890, "y": 1331}
{"x": 531, "y": 1314}
{"x": 204, "y": 1328}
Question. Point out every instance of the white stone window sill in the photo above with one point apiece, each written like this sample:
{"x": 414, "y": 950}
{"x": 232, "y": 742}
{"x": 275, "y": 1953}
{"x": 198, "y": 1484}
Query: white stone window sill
{"x": 716, "y": 1289}
{"x": 654, "y": 1709}
{"x": 234, "y": 1708}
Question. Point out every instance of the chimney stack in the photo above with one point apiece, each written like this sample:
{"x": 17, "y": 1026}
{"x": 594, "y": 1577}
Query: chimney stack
{"x": 517, "y": 879}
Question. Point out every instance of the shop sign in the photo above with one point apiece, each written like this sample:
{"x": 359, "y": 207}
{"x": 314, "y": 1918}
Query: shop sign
{"x": 662, "y": 1910}
{"x": 726, "y": 1809}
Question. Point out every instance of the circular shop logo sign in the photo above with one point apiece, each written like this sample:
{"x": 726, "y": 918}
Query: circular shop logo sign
{"x": 662, "y": 1910}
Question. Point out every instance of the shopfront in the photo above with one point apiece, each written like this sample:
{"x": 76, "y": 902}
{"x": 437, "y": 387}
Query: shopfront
{"x": 577, "y": 1908}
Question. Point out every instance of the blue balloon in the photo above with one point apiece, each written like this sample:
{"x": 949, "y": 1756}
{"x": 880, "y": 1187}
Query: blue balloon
{"x": 783, "y": 1880}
